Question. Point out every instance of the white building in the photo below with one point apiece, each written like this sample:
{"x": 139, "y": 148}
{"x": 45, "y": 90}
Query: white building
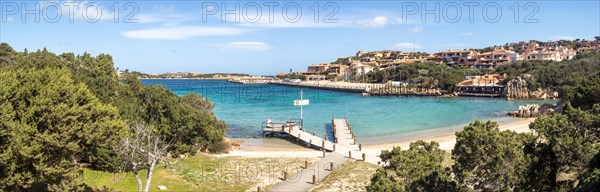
{"x": 357, "y": 70}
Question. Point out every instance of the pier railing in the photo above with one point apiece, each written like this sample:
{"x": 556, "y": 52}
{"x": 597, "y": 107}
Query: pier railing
{"x": 281, "y": 127}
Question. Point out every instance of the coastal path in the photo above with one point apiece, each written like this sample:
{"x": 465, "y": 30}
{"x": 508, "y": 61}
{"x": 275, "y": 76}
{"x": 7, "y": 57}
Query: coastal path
{"x": 303, "y": 180}
{"x": 343, "y": 148}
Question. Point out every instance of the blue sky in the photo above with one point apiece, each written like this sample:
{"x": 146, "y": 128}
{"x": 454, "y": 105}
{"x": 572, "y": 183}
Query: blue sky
{"x": 169, "y": 36}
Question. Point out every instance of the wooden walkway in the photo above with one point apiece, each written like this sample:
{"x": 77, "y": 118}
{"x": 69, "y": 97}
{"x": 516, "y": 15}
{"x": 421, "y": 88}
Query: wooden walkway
{"x": 337, "y": 153}
{"x": 344, "y": 142}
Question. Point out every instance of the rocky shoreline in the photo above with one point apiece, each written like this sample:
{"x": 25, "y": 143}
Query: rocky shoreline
{"x": 534, "y": 110}
{"x": 518, "y": 89}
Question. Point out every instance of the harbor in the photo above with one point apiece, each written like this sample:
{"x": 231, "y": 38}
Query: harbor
{"x": 368, "y": 89}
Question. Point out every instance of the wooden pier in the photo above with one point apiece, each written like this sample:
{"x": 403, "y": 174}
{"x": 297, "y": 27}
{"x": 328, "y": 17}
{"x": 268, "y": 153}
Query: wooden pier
{"x": 344, "y": 141}
{"x": 343, "y": 148}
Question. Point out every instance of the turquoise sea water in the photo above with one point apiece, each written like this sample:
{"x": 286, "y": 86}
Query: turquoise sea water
{"x": 245, "y": 107}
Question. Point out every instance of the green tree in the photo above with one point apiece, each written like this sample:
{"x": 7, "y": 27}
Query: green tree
{"x": 187, "y": 121}
{"x": 564, "y": 147}
{"x": 98, "y": 73}
{"x": 488, "y": 159}
{"x": 198, "y": 102}
{"x": 417, "y": 169}
{"x": 590, "y": 179}
{"x": 7, "y": 54}
{"x": 383, "y": 181}
{"x": 53, "y": 125}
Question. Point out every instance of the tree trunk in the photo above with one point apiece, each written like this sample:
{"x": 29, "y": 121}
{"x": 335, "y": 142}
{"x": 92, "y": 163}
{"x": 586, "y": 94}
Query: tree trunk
{"x": 149, "y": 177}
{"x": 139, "y": 180}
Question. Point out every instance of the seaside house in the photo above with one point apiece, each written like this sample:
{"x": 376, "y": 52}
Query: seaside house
{"x": 336, "y": 69}
{"x": 436, "y": 58}
{"x": 595, "y": 49}
{"x": 318, "y": 68}
{"x": 321, "y": 71}
{"x": 316, "y": 71}
{"x": 368, "y": 59}
{"x": 542, "y": 56}
{"x": 530, "y": 46}
{"x": 566, "y": 52}
{"x": 280, "y": 75}
{"x": 461, "y": 57}
{"x": 375, "y": 54}
{"x": 400, "y": 55}
{"x": 499, "y": 55}
{"x": 486, "y": 85}
{"x": 357, "y": 71}
{"x": 551, "y": 53}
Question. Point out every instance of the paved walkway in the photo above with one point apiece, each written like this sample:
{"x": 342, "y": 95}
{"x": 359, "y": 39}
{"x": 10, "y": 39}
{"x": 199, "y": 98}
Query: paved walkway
{"x": 302, "y": 181}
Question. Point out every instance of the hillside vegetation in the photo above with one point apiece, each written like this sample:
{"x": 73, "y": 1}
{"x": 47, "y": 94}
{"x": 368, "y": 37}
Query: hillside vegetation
{"x": 561, "y": 154}
{"x": 61, "y": 114}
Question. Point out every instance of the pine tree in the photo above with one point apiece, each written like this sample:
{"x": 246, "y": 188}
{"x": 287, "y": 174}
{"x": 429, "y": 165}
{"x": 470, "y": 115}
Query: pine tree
{"x": 53, "y": 125}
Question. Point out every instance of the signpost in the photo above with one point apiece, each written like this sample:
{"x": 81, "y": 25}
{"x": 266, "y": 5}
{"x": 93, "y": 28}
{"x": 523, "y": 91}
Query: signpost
{"x": 301, "y": 103}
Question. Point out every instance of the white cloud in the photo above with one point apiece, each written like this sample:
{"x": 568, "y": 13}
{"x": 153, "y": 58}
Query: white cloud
{"x": 376, "y": 22}
{"x": 246, "y": 46}
{"x": 467, "y": 33}
{"x": 304, "y": 22}
{"x": 182, "y": 32}
{"x": 165, "y": 15}
{"x": 149, "y": 18}
{"x": 418, "y": 29}
{"x": 407, "y": 46}
{"x": 162, "y": 18}
{"x": 308, "y": 22}
{"x": 563, "y": 37}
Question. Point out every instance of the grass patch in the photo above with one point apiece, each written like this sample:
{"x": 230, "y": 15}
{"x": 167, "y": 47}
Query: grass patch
{"x": 351, "y": 176}
{"x": 204, "y": 173}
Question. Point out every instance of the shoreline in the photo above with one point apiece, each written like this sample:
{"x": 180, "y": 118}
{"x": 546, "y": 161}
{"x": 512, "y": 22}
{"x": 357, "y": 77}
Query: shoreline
{"x": 448, "y": 140}
{"x": 428, "y": 133}
{"x": 273, "y": 147}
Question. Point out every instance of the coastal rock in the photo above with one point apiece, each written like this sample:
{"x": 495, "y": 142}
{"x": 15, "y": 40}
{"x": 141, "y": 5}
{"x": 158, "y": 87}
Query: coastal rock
{"x": 517, "y": 89}
{"x": 534, "y": 110}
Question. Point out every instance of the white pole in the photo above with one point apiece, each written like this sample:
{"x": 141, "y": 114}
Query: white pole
{"x": 300, "y": 105}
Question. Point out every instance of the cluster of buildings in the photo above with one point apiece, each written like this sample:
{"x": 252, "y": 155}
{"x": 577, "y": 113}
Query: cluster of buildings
{"x": 168, "y": 75}
{"x": 589, "y": 46}
{"x": 175, "y": 75}
{"x": 353, "y": 68}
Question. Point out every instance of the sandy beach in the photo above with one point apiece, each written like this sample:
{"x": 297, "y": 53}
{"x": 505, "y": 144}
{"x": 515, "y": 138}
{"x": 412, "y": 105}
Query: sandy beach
{"x": 259, "y": 148}
{"x": 447, "y": 141}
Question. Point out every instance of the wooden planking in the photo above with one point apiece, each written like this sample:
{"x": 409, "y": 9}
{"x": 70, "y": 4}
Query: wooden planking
{"x": 345, "y": 141}
{"x": 343, "y": 135}
{"x": 344, "y": 148}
